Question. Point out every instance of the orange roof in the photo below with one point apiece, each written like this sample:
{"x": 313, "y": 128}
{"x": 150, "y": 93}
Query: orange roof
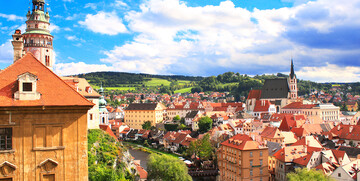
{"x": 241, "y": 142}
{"x": 107, "y": 129}
{"x": 82, "y": 86}
{"x": 54, "y": 91}
{"x": 262, "y": 106}
{"x": 254, "y": 94}
{"x": 299, "y": 105}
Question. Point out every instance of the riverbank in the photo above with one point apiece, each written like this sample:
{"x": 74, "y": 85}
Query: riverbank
{"x": 147, "y": 149}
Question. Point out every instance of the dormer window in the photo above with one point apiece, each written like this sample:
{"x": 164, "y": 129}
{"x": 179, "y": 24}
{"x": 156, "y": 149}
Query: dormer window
{"x": 27, "y": 83}
{"x": 27, "y": 86}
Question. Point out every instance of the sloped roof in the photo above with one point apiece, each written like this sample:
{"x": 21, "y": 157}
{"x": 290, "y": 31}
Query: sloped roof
{"x": 254, "y": 94}
{"x": 275, "y": 88}
{"x": 261, "y": 106}
{"x": 83, "y": 86}
{"x": 270, "y": 132}
{"x": 107, "y": 129}
{"x": 141, "y": 106}
{"x": 241, "y": 142}
{"x": 299, "y": 105}
{"x": 54, "y": 91}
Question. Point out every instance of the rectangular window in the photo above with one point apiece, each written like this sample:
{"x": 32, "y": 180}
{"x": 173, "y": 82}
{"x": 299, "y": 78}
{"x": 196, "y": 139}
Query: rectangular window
{"x": 251, "y": 163}
{"x": 251, "y": 172}
{"x": 261, "y": 171}
{"x": 261, "y": 153}
{"x": 261, "y": 161}
{"x": 5, "y": 138}
{"x": 251, "y": 154}
{"x": 27, "y": 86}
{"x": 91, "y": 116}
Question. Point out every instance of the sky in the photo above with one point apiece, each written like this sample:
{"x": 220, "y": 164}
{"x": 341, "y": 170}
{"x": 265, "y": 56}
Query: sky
{"x": 198, "y": 37}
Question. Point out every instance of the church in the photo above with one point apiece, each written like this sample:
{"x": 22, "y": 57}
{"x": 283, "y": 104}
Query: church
{"x": 43, "y": 120}
{"x": 279, "y": 92}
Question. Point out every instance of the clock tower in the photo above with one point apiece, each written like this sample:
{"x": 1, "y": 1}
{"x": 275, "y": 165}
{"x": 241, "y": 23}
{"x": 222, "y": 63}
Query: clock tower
{"x": 37, "y": 38}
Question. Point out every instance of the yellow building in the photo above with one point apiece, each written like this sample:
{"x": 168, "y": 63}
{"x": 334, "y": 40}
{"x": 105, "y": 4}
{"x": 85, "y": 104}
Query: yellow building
{"x": 137, "y": 114}
{"x": 241, "y": 158}
{"x": 43, "y": 125}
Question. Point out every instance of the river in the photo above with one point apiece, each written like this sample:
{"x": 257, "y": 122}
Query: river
{"x": 140, "y": 155}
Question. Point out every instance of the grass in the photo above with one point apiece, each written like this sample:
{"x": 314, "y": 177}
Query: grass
{"x": 114, "y": 88}
{"x": 151, "y": 149}
{"x": 157, "y": 82}
{"x": 183, "y": 82}
{"x": 184, "y": 90}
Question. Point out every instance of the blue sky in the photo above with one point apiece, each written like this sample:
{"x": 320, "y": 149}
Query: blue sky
{"x": 199, "y": 37}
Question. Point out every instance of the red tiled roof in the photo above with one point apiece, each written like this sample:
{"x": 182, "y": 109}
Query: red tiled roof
{"x": 54, "y": 91}
{"x": 254, "y": 94}
{"x": 299, "y": 132}
{"x": 262, "y": 106}
{"x": 107, "y": 129}
{"x": 269, "y": 132}
{"x": 303, "y": 160}
{"x": 241, "y": 142}
{"x": 299, "y": 105}
{"x": 345, "y": 132}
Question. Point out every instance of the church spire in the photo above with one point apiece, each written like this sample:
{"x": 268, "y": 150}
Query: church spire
{"x": 292, "y": 73}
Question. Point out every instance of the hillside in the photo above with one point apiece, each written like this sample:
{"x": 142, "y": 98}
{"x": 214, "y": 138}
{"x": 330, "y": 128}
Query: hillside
{"x": 236, "y": 84}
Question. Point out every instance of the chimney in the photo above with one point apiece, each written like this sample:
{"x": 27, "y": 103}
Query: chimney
{"x": 18, "y": 45}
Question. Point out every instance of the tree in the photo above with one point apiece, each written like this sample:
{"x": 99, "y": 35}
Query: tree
{"x": 176, "y": 118}
{"x": 205, "y": 124}
{"x": 146, "y": 125}
{"x": 306, "y": 175}
{"x": 202, "y": 148}
{"x": 163, "y": 167}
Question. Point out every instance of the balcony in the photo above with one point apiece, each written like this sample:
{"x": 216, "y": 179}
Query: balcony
{"x": 37, "y": 45}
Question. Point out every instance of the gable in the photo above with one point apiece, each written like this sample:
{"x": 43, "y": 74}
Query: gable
{"x": 54, "y": 91}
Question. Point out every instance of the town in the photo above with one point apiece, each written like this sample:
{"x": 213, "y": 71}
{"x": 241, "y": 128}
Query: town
{"x": 78, "y": 128}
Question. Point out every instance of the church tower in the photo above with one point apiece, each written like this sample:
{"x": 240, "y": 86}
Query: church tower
{"x": 37, "y": 38}
{"x": 104, "y": 114}
{"x": 292, "y": 82}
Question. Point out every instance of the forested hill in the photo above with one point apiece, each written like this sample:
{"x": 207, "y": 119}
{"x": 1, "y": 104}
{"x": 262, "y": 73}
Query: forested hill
{"x": 235, "y": 83}
{"x": 118, "y": 79}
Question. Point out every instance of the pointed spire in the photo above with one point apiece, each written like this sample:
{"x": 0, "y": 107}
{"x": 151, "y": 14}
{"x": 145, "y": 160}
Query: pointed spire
{"x": 292, "y": 73}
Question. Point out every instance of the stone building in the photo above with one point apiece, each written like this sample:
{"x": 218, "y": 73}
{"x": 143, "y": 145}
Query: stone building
{"x": 43, "y": 125}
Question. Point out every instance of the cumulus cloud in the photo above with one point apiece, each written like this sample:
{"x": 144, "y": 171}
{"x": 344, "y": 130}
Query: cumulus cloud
{"x": 6, "y": 52}
{"x": 104, "y": 23}
{"x": 330, "y": 73}
{"x": 64, "y": 69}
{"x": 12, "y": 17}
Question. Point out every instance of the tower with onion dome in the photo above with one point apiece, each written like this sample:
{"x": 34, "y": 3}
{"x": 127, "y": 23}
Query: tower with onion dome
{"x": 37, "y": 38}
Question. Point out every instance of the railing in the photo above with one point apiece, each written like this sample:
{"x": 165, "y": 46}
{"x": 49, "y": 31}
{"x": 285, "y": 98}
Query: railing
{"x": 37, "y": 45}
{"x": 203, "y": 172}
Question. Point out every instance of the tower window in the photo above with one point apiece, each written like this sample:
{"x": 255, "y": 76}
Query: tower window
{"x": 27, "y": 86}
{"x": 36, "y": 26}
{"x": 47, "y": 60}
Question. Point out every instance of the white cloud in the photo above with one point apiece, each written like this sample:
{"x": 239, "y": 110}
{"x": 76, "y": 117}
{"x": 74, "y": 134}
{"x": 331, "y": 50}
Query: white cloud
{"x": 71, "y": 38}
{"x": 64, "y": 69}
{"x": 67, "y": 29}
{"x": 12, "y": 17}
{"x": 92, "y": 6}
{"x": 104, "y": 23}
{"x": 54, "y": 28}
{"x": 330, "y": 73}
{"x": 175, "y": 38}
{"x": 6, "y": 52}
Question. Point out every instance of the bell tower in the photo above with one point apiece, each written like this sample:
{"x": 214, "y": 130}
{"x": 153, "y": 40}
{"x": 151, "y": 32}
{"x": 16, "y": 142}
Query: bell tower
{"x": 292, "y": 82}
{"x": 18, "y": 45}
{"x": 37, "y": 38}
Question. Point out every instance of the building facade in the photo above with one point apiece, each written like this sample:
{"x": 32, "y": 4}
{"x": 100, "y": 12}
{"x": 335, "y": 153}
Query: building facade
{"x": 43, "y": 125}
{"x": 241, "y": 158}
{"x": 137, "y": 114}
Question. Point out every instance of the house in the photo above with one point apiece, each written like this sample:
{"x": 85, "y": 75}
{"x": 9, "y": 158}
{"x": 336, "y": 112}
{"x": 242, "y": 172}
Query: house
{"x": 84, "y": 88}
{"x": 190, "y": 116}
{"x": 137, "y": 114}
{"x": 348, "y": 172}
{"x": 241, "y": 158}
{"x": 43, "y": 124}
{"x": 263, "y": 107}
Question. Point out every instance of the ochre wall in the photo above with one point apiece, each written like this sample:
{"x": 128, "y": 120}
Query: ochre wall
{"x": 65, "y": 143}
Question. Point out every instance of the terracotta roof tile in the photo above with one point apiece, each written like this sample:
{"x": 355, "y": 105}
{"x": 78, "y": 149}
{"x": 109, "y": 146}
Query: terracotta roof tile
{"x": 54, "y": 91}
